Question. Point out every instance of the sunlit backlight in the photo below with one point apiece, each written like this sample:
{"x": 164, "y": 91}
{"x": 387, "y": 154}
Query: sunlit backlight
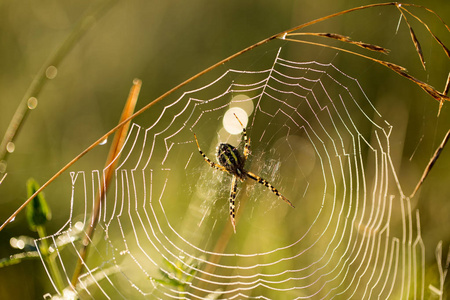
{"x": 231, "y": 124}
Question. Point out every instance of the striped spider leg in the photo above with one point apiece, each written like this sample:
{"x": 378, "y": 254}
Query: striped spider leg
{"x": 232, "y": 162}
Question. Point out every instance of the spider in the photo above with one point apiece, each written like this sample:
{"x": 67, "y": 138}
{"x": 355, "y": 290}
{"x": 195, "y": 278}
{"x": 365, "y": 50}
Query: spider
{"x": 232, "y": 162}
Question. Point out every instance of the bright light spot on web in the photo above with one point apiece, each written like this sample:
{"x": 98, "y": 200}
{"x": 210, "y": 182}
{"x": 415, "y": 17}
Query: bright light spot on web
{"x": 231, "y": 124}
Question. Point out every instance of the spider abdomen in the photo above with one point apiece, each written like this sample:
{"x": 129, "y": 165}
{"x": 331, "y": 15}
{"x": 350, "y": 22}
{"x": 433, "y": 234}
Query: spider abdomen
{"x": 230, "y": 158}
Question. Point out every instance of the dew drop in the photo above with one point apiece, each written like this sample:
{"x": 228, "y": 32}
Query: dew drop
{"x": 20, "y": 244}
{"x": 10, "y": 147}
{"x": 103, "y": 142}
{"x": 51, "y": 72}
{"x": 32, "y": 103}
{"x": 13, "y": 242}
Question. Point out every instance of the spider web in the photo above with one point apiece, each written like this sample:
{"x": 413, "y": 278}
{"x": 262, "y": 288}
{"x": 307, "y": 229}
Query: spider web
{"x": 164, "y": 228}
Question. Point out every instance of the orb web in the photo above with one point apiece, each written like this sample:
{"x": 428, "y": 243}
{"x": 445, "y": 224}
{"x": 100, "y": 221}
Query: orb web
{"x": 164, "y": 228}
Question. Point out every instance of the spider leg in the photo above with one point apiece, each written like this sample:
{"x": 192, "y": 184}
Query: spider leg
{"x": 210, "y": 162}
{"x": 267, "y": 184}
{"x": 232, "y": 202}
{"x": 246, "y": 139}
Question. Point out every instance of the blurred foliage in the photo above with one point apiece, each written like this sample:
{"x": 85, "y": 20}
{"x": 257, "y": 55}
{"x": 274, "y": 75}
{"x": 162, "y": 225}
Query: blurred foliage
{"x": 38, "y": 212}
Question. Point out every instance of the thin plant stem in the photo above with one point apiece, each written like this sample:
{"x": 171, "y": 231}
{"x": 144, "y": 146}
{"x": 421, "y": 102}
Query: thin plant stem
{"x": 49, "y": 258}
{"x": 111, "y": 163}
{"x": 18, "y": 258}
{"x": 41, "y": 79}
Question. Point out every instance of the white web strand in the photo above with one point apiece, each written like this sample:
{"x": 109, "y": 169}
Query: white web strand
{"x": 164, "y": 230}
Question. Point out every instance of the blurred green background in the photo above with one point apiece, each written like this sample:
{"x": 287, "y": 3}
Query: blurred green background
{"x": 164, "y": 43}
